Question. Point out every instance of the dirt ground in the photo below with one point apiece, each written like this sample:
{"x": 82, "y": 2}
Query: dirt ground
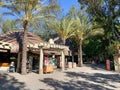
{"x": 88, "y": 77}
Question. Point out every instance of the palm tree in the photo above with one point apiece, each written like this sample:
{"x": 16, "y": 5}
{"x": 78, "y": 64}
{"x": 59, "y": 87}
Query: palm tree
{"x": 29, "y": 11}
{"x": 82, "y": 29}
{"x": 63, "y": 27}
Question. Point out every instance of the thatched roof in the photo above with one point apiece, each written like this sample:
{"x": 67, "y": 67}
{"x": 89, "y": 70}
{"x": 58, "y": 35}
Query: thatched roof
{"x": 33, "y": 42}
{"x": 15, "y": 38}
{"x": 5, "y": 45}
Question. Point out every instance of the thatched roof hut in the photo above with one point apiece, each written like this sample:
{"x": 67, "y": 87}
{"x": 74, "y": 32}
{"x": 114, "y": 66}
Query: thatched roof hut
{"x": 33, "y": 42}
{"x": 15, "y": 39}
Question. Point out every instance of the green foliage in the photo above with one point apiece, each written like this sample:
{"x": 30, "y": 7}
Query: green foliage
{"x": 82, "y": 25}
{"x": 31, "y": 10}
{"x": 105, "y": 15}
{"x": 8, "y": 25}
{"x": 63, "y": 27}
{"x": 92, "y": 46}
{"x": 111, "y": 49}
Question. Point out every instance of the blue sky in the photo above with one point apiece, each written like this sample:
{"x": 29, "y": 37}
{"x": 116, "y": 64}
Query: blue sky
{"x": 67, "y": 4}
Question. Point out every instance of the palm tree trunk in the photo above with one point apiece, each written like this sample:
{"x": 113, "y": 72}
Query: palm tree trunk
{"x": 64, "y": 41}
{"x": 24, "y": 49}
{"x": 80, "y": 62}
{"x": 63, "y": 62}
{"x": 18, "y": 62}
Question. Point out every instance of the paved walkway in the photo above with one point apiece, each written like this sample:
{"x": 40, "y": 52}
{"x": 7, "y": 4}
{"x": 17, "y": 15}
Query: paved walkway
{"x": 88, "y": 77}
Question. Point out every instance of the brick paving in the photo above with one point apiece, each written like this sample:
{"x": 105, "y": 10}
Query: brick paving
{"x": 88, "y": 77}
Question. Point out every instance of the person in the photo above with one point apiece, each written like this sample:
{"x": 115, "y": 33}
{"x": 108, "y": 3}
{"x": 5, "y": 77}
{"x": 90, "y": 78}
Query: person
{"x": 12, "y": 67}
{"x": 46, "y": 61}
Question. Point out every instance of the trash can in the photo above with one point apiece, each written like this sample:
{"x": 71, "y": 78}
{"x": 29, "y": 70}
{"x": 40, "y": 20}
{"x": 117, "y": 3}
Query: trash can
{"x": 108, "y": 64}
{"x": 74, "y": 65}
{"x": 69, "y": 64}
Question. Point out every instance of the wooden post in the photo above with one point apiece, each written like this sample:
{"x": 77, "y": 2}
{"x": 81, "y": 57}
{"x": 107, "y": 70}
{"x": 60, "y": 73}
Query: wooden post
{"x": 72, "y": 59}
{"x": 41, "y": 61}
{"x": 30, "y": 62}
{"x": 63, "y": 60}
{"x": 8, "y": 51}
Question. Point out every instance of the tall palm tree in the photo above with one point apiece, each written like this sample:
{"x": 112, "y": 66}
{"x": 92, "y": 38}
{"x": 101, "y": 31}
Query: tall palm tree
{"x": 82, "y": 29}
{"x": 63, "y": 27}
{"x": 29, "y": 11}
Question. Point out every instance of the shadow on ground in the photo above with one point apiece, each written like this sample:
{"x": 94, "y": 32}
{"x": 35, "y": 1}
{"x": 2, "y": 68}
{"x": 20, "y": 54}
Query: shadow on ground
{"x": 98, "y": 78}
{"x": 90, "y": 81}
{"x": 96, "y": 66}
{"x": 73, "y": 85}
{"x": 8, "y": 82}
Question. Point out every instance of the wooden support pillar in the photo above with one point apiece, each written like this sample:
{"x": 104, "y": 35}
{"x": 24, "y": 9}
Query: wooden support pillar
{"x": 72, "y": 59}
{"x": 30, "y": 63}
{"x": 41, "y": 61}
{"x": 8, "y": 51}
{"x": 63, "y": 60}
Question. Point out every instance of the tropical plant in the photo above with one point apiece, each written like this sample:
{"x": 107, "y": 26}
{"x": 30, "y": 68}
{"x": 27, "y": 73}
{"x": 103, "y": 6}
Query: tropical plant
{"x": 8, "y": 25}
{"x": 105, "y": 14}
{"x": 93, "y": 45}
{"x": 29, "y": 11}
{"x": 82, "y": 29}
{"x": 63, "y": 27}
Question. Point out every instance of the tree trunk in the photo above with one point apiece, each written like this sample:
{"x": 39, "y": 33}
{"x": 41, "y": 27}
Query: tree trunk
{"x": 80, "y": 61}
{"x": 18, "y": 62}
{"x": 64, "y": 62}
{"x": 64, "y": 41}
{"x": 24, "y": 48}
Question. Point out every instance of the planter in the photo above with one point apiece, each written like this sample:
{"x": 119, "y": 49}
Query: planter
{"x": 74, "y": 65}
{"x": 48, "y": 68}
{"x": 69, "y": 64}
